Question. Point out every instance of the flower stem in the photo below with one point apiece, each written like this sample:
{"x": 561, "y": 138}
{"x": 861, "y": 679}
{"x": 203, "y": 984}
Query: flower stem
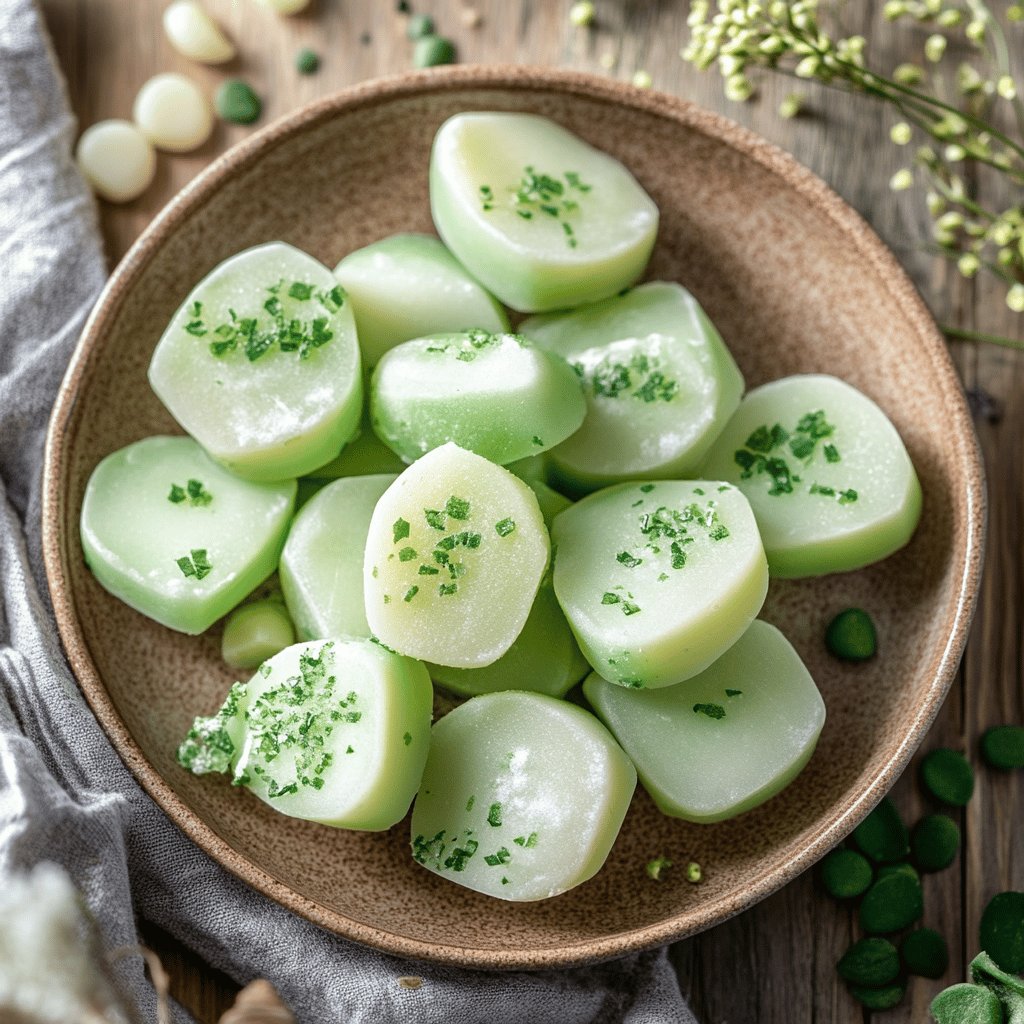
{"x": 960, "y": 334}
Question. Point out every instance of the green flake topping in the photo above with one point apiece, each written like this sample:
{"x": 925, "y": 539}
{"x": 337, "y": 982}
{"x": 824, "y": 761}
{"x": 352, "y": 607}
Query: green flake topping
{"x": 447, "y": 589}
{"x": 457, "y": 508}
{"x": 494, "y": 815}
{"x": 502, "y": 856}
{"x": 406, "y": 554}
{"x": 609, "y": 598}
{"x": 526, "y": 841}
{"x": 196, "y": 563}
{"x": 647, "y": 488}
{"x": 208, "y": 747}
{"x": 407, "y": 738}
{"x": 734, "y": 693}
{"x": 470, "y": 802}
{"x": 537, "y": 441}
{"x": 452, "y": 854}
{"x": 411, "y": 593}
{"x": 711, "y": 710}
{"x": 434, "y": 518}
{"x": 177, "y": 494}
{"x": 193, "y": 492}
{"x": 543, "y": 195}
{"x": 504, "y": 527}
{"x": 628, "y": 560}
{"x": 655, "y": 867}
{"x": 400, "y": 530}
{"x": 641, "y": 378}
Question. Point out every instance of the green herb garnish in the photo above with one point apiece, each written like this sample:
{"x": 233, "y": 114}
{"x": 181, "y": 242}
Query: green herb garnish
{"x": 399, "y": 530}
{"x": 504, "y": 527}
{"x": 655, "y": 867}
{"x": 711, "y": 710}
{"x": 494, "y": 815}
{"x": 196, "y": 564}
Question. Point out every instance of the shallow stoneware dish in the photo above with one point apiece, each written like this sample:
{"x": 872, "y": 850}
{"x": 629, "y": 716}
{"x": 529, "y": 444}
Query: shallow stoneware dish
{"x": 795, "y": 281}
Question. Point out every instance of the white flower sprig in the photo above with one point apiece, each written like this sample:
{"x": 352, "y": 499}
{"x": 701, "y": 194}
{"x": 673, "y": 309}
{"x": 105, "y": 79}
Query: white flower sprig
{"x": 740, "y": 36}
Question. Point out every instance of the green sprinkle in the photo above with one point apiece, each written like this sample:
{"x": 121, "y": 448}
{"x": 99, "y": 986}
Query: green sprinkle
{"x": 197, "y": 494}
{"x": 411, "y": 593}
{"x": 457, "y": 508}
{"x": 399, "y": 530}
{"x": 629, "y": 608}
{"x": 851, "y": 636}
{"x": 845, "y": 874}
{"x": 504, "y": 527}
{"x": 894, "y": 900}
{"x": 966, "y": 1004}
{"x": 406, "y": 554}
{"x": 350, "y": 750}
{"x": 734, "y": 693}
{"x": 526, "y": 841}
{"x": 1002, "y": 930}
{"x": 628, "y": 560}
{"x": 655, "y": 867}
{"x": 299, "y": 290}
{"x": 882, "y": 836}
{"x": 504, "y": 880}
{"x": 447, "y": 589}
{"x": 873, "y": 962}
{"x": 502, "y": 856}
{"x": 407, "y": 738}
{"x": 947, "y": 775}
{"x": 431, "y": 51}
{"x": 434, "y": 518}
{"x": 177, "y": 495}
{"x": 1002, "y": 747}
{"x": 831, "y": 453}
{"x": 419, "y": 25}
{"x": 924, "y": 952}
{"x": 195, "y": 564}
{"x": 236, "y": 102}
{"x": 711, "y": 710}
{"x": 647, "y": 488}
{"x": 609, "y": 598}
{"x": 934, "y": 842}
{"x": 537, "y": 441}
{"x": 428, "y": 570}
{"x": 494, "y": 815}
{"x": 307, "y": 62}
{"x": 470, "y": 802}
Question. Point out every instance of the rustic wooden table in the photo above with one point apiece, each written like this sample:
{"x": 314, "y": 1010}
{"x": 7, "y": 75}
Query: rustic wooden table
{"x": 774, "y": 964}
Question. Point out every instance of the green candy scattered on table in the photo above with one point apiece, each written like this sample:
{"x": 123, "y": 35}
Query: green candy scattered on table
{"x": 851, "y": 636}
{"x": 846, "y": 874}
{"x": 872, "y": 962}
{"x": 924, "y": 952}
{"x": 236, "y": 102}
{"x": 934, "y": 842}
{"x": 948, "y": 776}
{"x": 882, "y": 835}
{"x": 255, "y": 632}
{"x": 894, "y": 901}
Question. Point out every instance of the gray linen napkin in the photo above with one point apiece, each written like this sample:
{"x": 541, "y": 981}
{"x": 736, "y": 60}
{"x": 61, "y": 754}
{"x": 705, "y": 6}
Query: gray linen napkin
{"x": 65, "y": 796}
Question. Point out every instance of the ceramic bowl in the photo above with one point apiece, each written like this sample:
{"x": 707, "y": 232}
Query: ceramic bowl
{"x": 795, "y": 281}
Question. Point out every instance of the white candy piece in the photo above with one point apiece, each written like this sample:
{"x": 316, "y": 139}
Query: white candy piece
{"x": 117, "y": 160}
{"x": 194, "y": 34}
{"x": 173, "y": 113}
{"x": 285, "y": 6}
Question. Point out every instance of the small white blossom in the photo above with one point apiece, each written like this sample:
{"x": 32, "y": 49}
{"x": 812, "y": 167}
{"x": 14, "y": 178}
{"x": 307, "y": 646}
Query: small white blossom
{"x": 935, "y": 47}
{"x": 968, "y": 264}
{"x": 901, "y": 133}
{"x": 902, "y": 180}
{"x": 1015, "y": 298}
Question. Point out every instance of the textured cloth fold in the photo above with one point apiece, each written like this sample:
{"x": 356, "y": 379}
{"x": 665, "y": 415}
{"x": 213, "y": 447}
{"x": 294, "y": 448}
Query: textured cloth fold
{"x": 65, "y": 796}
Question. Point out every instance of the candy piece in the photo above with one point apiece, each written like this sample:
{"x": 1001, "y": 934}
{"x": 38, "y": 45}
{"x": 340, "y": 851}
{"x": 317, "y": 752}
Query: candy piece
{"x": 285, "y": 6}
{"x": 431, "y": 51}
{"x": 845, "y": 874}
{"x": 172, "y": 534}
{"x": 966, "y": 1004}
{"x": 924, "y": 952}
{"x": 1002, "y": 747}
{"x": 882, "y": 834}
{"x": 256, "y": 632}
{"x": 879, "y": 998}
{"x": 934, "y": 842}
{"x": 543, "y": 220}
{"x": 493, "y": 394}
{"x": 419, "y": 25}
{"x": 851, "y": 636}
{"x": 948, "y": 776}
{"x": 455, "y": 553}
{"x": 872, "y": 962}
{"x": 831, "y": 484}
{"x": 307, "y": 62}
{"x": 117, "y": 160}
{"x": 549, "y": 500}
{"x": 365, "y": 455}
{"x": 658, "y": 580}
{"x": 660, "y": 385}
{"x": 487, "y": 815}
{"x": 726, "y": 740}
{"x": 411, "y": 286}
{"x": 260, "y": 364}
{"x": 1002, "y": 930}
{"x": 322, "y": 561}
{"x": 894, "y": 900}
{"x": 194, "y": 34}
{"x": 173, "y": 113}
{"x": 236, "y": 102}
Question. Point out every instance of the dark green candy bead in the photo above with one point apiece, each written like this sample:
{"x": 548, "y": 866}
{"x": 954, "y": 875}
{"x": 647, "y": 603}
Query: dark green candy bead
{"x": 1002, "y": 747}
{"x": 851, "y": 635}
{"x": 879, "y": 998}
{"x": 934, "y": 842}
{"x": 307, "y": 62}
{"x": 882, "y": 836}
{"x": 236, "y": 102}
{"x": 947, "y": 776}
{"x": 845, "y": 874}
{"x": 1002, "y": 931}
{"x": 420, "y": 25}
{"x": 893, "y": 902}
{"x": 872, "y": 962}
{"x": 431, "y": 51}
{"x": 925, "y": 953}
{"x": 966, "y": 1004}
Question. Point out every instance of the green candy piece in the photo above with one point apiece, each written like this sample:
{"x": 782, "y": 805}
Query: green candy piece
{"x": 925, "y": 953}
{"x": 872, "y": 962}
{"x": 1002, "y": 930}
{"x": 431, "y": 50}
{"x": 882, "y": 836}
{"x": 966, "y": 1004}
{"x": 419, "y": 25}
{"x": 1003, "y": 747}
{"x": 934, "y": 842}
{"x": 307, "y": 62}
{"x": 879, "y": 998}
{"x": 894, "y": 900}
{"x": 256, "y": 632}
{"x": 948, "y": 776}
{"x": 851, "y": 636}
{"x": 549, "y": 500}
{"x": 845, "y": 874}
{"x": 236, "y": 102}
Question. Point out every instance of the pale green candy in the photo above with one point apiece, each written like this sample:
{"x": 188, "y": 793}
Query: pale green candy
{"x": 550, "y": 501}
{"x": 409, "y": 286}
{"x": 539, "y": 217}
{"x": 322, "y": 562}
{"x": 255, "y": 632}
{"x": 522, "y": 797}
{"x": 336, "y": 731}
{"x": 183, "y": 562}
{"x": 264, "y": 412}
{"x": 726, "y": 740}
{"x": 455, "y": 553}
{"x": 829, "y": 479}
{"x": 658, "y": 579}
{"x": 493, "y": 394}
{"x": 365, "y": 455}
{"x": 660, "y": 385}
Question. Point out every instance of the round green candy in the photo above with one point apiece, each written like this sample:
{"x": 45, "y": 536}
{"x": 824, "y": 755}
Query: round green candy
{"x": 419, "y": 25}
{"x": 307, "y": 62}
{"x": 851, "y": 635}
{"x": 431, "y": 50}
{"x": 879, "y": 998}
{"x": 894, "y": 900}
{"x": 934, "y": 842}
{"x": 236, "y": 102}
{"x": 1002, "y": 930}
{"x": 1003, "y": 747}
{"x": 255, "y": 632}
{"x": 925, "y": 953}
{"x": 947, "y": 775}
{"x": 882, "y": 836}
{"x": 966, "y": 1004}
{"x": 845, "y": 874}
{"x": 873, "y": 962}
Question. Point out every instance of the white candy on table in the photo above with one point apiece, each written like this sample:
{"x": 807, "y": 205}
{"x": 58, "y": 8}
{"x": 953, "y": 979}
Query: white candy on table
{"x": 173, "y": 113}
{"x": 117, "y": 160}
{"x": 194, "y": 34}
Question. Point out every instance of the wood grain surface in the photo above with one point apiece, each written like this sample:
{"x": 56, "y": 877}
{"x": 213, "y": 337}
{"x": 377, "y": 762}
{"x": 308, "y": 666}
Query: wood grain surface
{"x": 774, "y": 964}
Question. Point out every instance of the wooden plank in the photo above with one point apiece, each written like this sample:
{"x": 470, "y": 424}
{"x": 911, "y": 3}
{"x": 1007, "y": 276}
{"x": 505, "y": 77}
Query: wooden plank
{"x": 776, "y": 962}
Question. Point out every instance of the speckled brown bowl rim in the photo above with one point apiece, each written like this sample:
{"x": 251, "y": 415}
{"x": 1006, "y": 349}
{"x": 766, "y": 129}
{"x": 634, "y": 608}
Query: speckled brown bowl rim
{"x": 861, "y": 239}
